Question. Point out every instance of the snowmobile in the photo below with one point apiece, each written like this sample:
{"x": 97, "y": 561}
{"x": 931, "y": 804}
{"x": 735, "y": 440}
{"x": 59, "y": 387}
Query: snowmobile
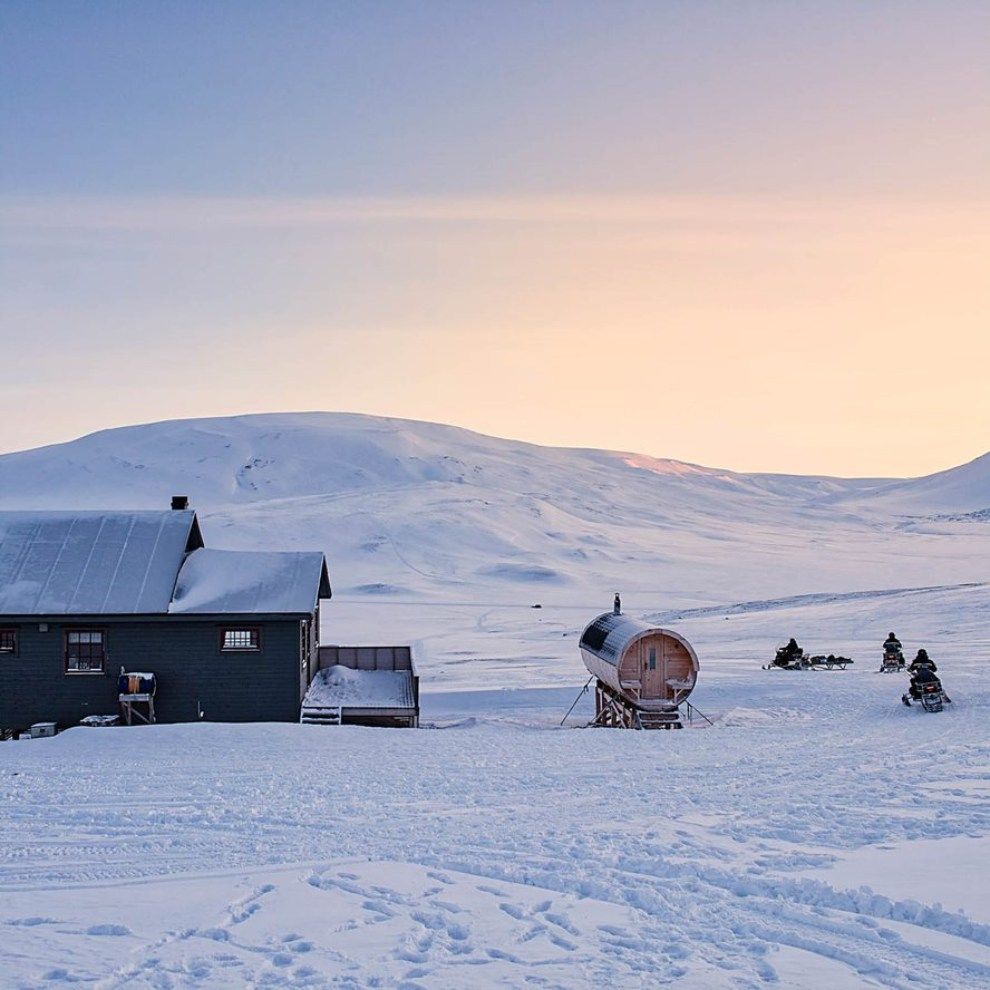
{"x": 927, "y": 690}
{"x": 893, "y": 660}
{"x": 788, "y": 661}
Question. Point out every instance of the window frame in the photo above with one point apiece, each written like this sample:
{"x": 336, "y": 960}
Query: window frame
{"x": 254, "y": 631}
{"x": 12, "y": 631}
{"x": 66, "y": 633}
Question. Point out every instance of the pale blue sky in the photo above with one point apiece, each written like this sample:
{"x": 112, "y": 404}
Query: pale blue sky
{"x": 441, "y": 210}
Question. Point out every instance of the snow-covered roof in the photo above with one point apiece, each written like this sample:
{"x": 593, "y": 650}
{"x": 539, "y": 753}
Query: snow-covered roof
{"x": 240, "y": 581}
{"x": 143, "y": 563}
{"x": 92, "y": 563}
{"x": 342, "y": 687}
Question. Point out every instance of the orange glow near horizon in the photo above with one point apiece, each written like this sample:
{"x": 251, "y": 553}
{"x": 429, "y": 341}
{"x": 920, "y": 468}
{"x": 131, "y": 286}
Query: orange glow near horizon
{"x": 750, "y": 236}
{"x": 840, "y": 337}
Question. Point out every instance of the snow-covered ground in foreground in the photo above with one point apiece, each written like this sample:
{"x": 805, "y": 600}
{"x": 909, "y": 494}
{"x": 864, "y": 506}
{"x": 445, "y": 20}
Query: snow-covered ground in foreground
{"x": 819, "y": 834}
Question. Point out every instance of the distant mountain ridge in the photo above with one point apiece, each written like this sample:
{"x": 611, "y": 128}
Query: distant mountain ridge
{"x": 400, "y": 504}
{"x": 231, "y": 459}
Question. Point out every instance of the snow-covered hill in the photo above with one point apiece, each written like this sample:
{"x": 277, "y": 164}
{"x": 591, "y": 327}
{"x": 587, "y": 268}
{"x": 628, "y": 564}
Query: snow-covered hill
{"x": 404, "y": 507}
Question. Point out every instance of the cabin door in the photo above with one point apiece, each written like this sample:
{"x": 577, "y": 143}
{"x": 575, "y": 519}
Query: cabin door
{"x": 652, "y": 663}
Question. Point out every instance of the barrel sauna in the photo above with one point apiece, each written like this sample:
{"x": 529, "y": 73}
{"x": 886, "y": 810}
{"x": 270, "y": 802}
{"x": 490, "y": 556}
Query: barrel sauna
{"x": 643, "y": 672}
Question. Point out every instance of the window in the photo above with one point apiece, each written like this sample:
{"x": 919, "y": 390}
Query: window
{"x": 241, "y": 639}
{"x": 653, "y": 658}
{"x": 85, "y": 651}
{"x": 8, "y": 640}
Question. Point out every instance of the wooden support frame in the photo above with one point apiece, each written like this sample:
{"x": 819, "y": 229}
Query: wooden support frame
{"x": 130, "y": 708}
{"x": 613, "y": 711}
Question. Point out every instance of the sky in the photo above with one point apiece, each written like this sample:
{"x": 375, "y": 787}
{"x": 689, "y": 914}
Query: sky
{"x": 747, "y": 235}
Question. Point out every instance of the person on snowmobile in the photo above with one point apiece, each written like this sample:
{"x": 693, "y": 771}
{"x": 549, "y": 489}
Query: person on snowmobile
{"x": 893, "y": 654}
{"x": 923, "y": 675}
{"x": 789, "y": 654}
{"x": 922, "y": 671}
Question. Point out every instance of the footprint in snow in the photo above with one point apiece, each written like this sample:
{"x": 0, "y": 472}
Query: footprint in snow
{"x": 513, "y": 911}
{"x": 504, "y": 956}
{"x": 379, "y": 908}
{"x": 561, "y": 921}
{"x": 296, "y": 943}
{"x": 59, "y": 976}
{"x": 243, "y": 909}
{"x": 447, "y": 906}
{"x": 241, "y": 914}
{"x": 113, "y": 930}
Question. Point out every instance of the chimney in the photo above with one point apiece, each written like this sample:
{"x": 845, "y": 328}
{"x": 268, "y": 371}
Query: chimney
{"x": 180, "y": 502}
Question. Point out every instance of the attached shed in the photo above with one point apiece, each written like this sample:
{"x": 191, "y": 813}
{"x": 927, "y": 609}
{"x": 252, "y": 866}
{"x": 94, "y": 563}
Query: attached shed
{"x": 364, "y": 685}
{"x": 644, "y": 672}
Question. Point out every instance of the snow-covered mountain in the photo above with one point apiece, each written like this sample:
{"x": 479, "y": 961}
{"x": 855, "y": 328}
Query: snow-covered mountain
{"x": 404, "y": 507}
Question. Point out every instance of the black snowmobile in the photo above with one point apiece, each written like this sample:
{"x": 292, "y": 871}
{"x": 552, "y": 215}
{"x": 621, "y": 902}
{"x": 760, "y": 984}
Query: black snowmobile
{"x": 893, "y": 660}
{"x": 926, "y": 687}
{"x": 893, "y": 655}
{"x": 789, "y": 657}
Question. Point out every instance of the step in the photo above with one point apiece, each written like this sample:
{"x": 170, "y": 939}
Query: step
{"x": 320, "y": 716}
{"x": 659, "y": 720}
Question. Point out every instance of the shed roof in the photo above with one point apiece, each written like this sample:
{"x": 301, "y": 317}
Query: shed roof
{"x": 241, "y": 582}
{"x": 92, "y": 563}
{"x": 609, "y": 634}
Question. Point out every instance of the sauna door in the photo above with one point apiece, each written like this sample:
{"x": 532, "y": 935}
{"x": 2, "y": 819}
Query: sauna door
{"x": 652, "y": 668}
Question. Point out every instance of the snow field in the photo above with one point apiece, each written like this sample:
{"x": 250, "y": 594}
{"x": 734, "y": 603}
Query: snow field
{"x": 500, "y": 852}
{"x": 819, "y": 835}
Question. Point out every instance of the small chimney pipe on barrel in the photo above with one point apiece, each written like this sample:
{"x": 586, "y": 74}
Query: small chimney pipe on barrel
{"x": 180, "y": 502}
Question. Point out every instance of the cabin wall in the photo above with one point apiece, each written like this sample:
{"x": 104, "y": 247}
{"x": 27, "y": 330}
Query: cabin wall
{"x": 194, "y": 675}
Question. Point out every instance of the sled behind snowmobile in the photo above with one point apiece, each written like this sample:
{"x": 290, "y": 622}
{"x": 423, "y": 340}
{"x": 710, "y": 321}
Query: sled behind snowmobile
{"x": 830, "y": 662}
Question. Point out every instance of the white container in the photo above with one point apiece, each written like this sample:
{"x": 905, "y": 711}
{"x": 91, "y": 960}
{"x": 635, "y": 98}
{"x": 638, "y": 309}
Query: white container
{"x": 43, "y": 730}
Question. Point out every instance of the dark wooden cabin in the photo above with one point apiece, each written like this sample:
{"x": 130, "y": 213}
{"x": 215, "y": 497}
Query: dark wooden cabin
{"x": 644, "y": 673}
{"x": 229, "y": 635}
